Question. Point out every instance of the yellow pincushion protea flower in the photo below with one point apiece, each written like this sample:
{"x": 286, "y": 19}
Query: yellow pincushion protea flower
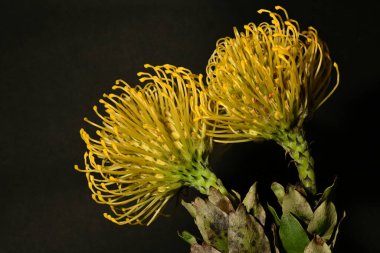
{"x": 148, "y": 146}
{"x": 266, "y": 81}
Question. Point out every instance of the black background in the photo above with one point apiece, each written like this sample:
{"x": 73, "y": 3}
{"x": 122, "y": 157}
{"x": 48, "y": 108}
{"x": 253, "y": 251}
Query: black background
{"x": 57, "y": 58}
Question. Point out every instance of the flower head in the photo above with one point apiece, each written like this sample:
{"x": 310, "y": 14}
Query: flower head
{"x": 148, "y": 145}
{"x": 267, "y": 79}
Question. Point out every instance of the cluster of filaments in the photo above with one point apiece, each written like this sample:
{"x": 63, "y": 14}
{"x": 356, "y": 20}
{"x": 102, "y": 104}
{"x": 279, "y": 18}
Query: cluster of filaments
{"x": 145, "y": 144}
{"x": 268, "y": 78}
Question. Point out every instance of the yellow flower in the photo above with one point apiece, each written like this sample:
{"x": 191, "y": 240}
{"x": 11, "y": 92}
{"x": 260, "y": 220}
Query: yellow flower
{"x": 265, "y": 82}
{"x": 148, "y": 145}
{"x": 267, "y": 79}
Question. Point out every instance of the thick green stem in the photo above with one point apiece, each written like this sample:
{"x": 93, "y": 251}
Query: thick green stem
{"x": 295, "y": 144}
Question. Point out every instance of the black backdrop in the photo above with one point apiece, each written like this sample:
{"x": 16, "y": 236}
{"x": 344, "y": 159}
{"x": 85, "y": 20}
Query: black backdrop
{"x": 57, "y": 58}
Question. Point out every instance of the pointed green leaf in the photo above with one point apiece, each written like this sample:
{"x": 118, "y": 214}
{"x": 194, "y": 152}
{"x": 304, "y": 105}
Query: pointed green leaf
{"x": 337, "y": 230}
{"x": 324, "y": 220}
{"x": 251, "y": 202}
{"x": 246, "y": 234}
{"x": 294, "y": 202}
{"x": 189, "y": 207}
{"x": 237, "y": 195}
{"x": 274, "y": 214}
{"x": 293, "y": 237}
{"x": 279, "y": 191}
{"x": 187, "y": 237}
{"x": 250, "y": 199}
{"x": 328, "y": 193}
{"x": 317, "y": 245}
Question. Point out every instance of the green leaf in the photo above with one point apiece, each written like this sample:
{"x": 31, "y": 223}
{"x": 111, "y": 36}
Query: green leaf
{"x": 324, "y": 220}
{"x": 187, "y": 237}
{"x": 237, "y": 195}
{"x": 212, "y": 224}
{"x": 274, "y": 214}
{"x": 190, "y": 208}
{"x": 328, "y": 193}
{"x": 317, "y": 245}
{"x": 294, "y": 202}
{"x": 251, "y": 202}
{"x": 250, "y": 199}
{"x": 293, "y": 237}
{"x": 337, "y": 230}
{"x": 246, "y": 234}
{"x": 279, "y": 191}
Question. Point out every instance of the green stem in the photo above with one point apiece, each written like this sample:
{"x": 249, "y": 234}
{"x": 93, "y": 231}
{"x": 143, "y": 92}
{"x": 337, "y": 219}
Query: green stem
{"x": 201, "y": 178}
{"x": 294, "y": 143}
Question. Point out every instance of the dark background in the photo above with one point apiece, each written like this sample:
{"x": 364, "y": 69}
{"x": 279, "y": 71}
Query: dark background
{"x": 57, "y": 58}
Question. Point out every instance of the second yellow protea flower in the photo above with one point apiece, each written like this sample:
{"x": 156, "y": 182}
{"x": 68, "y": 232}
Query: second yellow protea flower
{"x": 266, "y": 81}
{"x": 148, "y": 146}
